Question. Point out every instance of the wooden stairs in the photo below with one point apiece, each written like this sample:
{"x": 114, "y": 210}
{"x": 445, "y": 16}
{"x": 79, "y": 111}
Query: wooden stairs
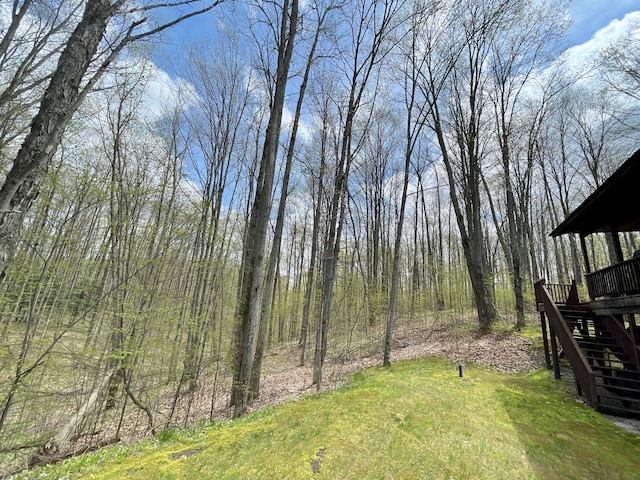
{"x": 608, "y": 349}
{"x": 604, "y": 357}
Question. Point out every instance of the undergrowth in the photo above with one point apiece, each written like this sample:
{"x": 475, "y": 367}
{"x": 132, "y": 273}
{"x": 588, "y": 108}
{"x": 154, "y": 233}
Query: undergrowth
{"x": 417, "y": 419}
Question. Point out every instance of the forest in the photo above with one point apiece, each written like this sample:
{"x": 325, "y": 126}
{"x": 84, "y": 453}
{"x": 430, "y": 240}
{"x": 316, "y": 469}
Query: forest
{"x": 317, "y": 174}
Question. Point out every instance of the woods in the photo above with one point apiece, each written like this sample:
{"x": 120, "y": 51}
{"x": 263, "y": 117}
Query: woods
{"x": 316, "y": 175}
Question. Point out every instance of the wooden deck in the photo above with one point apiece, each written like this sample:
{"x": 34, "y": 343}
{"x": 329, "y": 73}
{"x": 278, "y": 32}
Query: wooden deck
{"x": 616, "y": 280}
{"x": 600, "y": 337}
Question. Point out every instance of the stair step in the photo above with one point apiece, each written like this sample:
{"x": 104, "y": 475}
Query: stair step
{"x": 625, "y": 373}
{"x": 609, "y": 357}
{"x": 594, "y": 352}
{"x": 617, "y": 377}
{"x": 587, "y": 344}
{"x": 599, "y": 345}
{"x": 618, "y": 410}
{"x": 633, "y": 386}
{"x": 568, "y": 312}
{"x": 602, "y": 369}
{"x": 607, "y": 368}
{"x": 613, "y": 396}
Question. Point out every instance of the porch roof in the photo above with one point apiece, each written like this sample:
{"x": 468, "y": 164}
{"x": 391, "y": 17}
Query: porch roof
{"x": 614, "y": 206}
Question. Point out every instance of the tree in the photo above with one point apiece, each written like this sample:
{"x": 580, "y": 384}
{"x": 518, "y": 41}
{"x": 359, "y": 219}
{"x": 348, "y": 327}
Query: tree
{"x": 31, "y": 43}
{"x": 594, "y": 132}
{"x": 250, "y": 286}
{"x": 525, "y": 40}
{"x": 221, "y": 98}
{"x": 79, "y": 67}
{"x": 372, "y": 22}
{"x": 453, "y": 82}
{"x": 620, "y": 62}
{"x": 317, "y": 191}
{"x": 416, "y": 112}
{"x": 274, "y": 255}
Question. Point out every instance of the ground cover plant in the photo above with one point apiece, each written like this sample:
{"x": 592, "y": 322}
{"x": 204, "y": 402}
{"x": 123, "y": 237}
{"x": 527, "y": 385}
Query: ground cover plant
{"x": 417, "y": 419}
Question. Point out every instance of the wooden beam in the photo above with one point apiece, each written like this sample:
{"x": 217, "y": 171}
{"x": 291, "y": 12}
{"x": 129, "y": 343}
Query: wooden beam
{"x": 616, "y": 305}
{"x": 617, "y": 248}
{"x": 585, "y": 256}
{"x": 554, "y": 353}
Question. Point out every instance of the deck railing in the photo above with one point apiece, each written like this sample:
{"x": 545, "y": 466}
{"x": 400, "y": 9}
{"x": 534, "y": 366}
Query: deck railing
{"x": 563, "y": 294}
{"x": 616, "y": 280}
{"x": 582, "y": 371}
{"x": 623, "y": 339}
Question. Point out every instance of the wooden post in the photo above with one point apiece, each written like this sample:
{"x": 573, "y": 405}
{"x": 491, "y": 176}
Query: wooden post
{"x": 585, "y": 256}
{"x": 633, "y": 330}
{"x": 617, "y": 248}
{"x": 573, "y": 298}
{"x": 543, "y": 320}
{"x": 554, "y": 352}
{"x": 545, "y": 340}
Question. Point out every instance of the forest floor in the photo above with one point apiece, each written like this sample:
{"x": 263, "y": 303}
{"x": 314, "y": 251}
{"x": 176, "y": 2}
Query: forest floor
{"x": 283, "y": 379}
{"x": 457, "y": 341}
{"x": 503, "y": 350}
{"x": 487, "y": 425}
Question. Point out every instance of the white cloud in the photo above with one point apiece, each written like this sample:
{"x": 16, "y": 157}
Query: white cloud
{"x": 163, "y": 93}
{"x": 579, "y": 60}
{"x": 613, "y": 32}
{"x": 305, "y": 130}
{"x": 591, "y": 15}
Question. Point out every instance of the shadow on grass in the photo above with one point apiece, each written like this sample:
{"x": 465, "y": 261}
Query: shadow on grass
{"x": 563, "y": 438}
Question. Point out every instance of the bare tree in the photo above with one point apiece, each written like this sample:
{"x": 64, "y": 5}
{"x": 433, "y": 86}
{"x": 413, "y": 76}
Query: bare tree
{"x": 372, "y": 22}
{"x": 417, "y": 108}
{"x": 594, "y": 133}
{"x": 250, "y": 289}
{"x": 31, "y": 43}
{"x": 453, "y": 82}
{"x": 316, "y": 187}
{"x": 525, "y": 41}
{"x": 620, "y": 63}
{"x": 220, "y": 101}
{"x": 80, "y": 65}
{"x": 321, "y": 11}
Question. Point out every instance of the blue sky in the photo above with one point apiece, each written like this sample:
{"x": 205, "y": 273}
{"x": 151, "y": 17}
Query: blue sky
{"x": 589, "y": 16}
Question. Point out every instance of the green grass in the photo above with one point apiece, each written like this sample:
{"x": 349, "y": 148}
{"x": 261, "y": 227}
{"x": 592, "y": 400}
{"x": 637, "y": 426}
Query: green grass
{"x": 416, "y": 420}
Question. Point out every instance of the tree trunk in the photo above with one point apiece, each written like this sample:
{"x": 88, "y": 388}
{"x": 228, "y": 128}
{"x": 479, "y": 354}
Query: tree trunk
{"x": 64, "y": 436}
{"x": 254, "y": 244}
{"x": 59, "y": 103}
{"x": 388, "y": 338}
{"x": 315, "y": 233}
{"x": 277, "y": 237}
{"x": 378, "y": 17}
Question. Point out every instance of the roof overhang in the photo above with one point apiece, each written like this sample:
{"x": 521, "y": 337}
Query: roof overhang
{"x": 614, "y": 206}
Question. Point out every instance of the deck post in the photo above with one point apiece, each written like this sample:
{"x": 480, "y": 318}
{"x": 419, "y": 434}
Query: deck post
{"x": 617, "y": 248}
{"x": 545, "y": 340}
{"x": 554, "y": 352}
{"x": 573, "y": 298}
{"x": 585, "y": 255}
{"x": 543, "y": 320}
{"x": 633, "y": 331}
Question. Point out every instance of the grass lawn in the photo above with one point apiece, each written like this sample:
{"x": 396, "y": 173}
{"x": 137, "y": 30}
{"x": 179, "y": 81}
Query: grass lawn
{"x": 415, "y": 420}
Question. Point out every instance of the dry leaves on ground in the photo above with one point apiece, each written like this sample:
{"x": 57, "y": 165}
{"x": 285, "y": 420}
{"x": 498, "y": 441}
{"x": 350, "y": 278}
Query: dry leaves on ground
{"x": 504, "y": 352}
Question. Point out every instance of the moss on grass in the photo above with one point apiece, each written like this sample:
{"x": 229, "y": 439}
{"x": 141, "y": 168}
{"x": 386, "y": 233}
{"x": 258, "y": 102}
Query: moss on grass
{"x": 417, "y": 419}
